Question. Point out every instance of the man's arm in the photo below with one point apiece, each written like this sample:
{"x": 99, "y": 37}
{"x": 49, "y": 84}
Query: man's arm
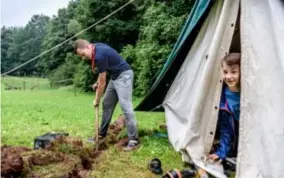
{"x": 101, "y": 84}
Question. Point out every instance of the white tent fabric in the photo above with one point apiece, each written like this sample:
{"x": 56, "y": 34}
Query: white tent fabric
{"x": 191, "y": 104}
{"x": 261, "y": 149}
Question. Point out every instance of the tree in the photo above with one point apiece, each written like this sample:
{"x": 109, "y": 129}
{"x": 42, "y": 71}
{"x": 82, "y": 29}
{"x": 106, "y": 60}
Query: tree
{"x": 36, "y": 30}
{"x": 20, "y": 44}
{"x": 158, "y": 34}
{"x": 119, "y": 30}
{"x": 57, "y": 32}
{"x": 6, "y": 41}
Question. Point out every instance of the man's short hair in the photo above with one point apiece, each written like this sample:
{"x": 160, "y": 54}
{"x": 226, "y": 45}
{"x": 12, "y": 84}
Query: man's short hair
{"x": 79, "y": 44}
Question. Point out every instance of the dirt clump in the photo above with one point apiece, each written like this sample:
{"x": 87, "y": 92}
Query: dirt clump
{"x": 65, "y": 157}
{"x": 12, "y": 163}
{"x": 74, "y": 146}
{"x": 115, "y": 129}
{"x": 117, "y": 125}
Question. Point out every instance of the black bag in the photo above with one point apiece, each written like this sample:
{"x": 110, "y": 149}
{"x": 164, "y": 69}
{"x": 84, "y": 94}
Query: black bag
{"x": 44, "y": 140}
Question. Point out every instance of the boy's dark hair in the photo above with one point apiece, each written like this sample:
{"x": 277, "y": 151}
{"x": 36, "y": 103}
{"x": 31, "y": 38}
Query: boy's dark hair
{"x": 80, "y": 43}
{"x": 232, "y": 59}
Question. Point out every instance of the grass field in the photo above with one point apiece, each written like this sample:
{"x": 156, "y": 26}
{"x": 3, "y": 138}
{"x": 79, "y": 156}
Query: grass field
{"x": 28, "y": 114}
{"x": 25, "y": 83}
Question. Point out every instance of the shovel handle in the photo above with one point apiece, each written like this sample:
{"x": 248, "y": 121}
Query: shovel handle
{"x": 97, "y": 127}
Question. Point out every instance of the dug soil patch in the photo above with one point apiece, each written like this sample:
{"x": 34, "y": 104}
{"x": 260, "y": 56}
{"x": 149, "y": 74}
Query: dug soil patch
{"x": 65, "y": 157}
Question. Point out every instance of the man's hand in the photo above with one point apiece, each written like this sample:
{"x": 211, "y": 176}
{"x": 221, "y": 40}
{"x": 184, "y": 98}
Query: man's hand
{"x": 100, "y": 88}
{"x": 96, "y": 103}
{"x": 94, "y": 86}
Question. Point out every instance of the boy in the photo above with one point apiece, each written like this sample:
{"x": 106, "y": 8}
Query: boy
{"x": 229, "y": 113}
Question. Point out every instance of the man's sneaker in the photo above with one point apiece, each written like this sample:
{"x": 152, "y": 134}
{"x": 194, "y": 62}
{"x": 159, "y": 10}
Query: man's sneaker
{"x": 132, "y": 144}
{"x": 93, "y": 140}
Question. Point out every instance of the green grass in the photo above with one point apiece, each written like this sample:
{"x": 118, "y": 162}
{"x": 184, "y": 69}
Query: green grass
{"x": 28, "y": 114}
{"x": 25, "y": 83}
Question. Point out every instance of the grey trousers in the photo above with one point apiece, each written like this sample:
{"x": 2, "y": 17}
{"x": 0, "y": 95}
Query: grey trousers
{"x": 120, "y": 90}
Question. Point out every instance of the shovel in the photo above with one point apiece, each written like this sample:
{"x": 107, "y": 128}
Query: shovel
{"x": 97, "y": 128}
{"x": 95, "y": 139}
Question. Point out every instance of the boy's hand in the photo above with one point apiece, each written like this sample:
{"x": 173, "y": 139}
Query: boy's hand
{"x": 214, "y": 157}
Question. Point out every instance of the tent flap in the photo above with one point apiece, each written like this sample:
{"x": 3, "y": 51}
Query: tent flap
{"x": 191, "y": 104}
{"x": 261, "y": 141}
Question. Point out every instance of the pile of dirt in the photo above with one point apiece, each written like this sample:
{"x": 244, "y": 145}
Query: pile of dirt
{"x": 117, "y": 126}
{"x": 115, "y": 129}
{"x": 74, "y": 146}
{"x": 64, "y": 157}
{"x": 61, "y": 159}
{"x": 12, "y": 163}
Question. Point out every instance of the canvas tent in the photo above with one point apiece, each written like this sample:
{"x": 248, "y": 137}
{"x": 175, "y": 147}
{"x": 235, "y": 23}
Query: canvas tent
{"x": 189, "y": 85}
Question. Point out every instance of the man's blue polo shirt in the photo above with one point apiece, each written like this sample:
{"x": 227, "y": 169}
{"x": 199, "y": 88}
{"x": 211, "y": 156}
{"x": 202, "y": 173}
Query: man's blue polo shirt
{"x": 108, "y": 59}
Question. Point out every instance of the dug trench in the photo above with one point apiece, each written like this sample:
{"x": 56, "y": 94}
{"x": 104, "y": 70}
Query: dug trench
{"x": 65, "y": 157}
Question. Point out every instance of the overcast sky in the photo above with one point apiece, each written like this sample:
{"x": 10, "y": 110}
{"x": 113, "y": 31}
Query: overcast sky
{"x": 19, "y": 12}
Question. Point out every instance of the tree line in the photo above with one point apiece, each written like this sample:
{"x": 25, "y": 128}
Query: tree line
{"x": 144, "y": 33}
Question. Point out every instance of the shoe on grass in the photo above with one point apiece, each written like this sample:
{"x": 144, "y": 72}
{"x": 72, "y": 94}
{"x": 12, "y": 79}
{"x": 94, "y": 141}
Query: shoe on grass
{"x": 93, "y": 140}
{"x": 132, "y": 145}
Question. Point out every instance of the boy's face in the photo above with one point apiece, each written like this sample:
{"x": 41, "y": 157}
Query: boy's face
{"x": 85, "y": 53}
{"x": 231, "y": 75}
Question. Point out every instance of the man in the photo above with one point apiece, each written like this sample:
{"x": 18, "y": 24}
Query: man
{"x": 119, "y": 88}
